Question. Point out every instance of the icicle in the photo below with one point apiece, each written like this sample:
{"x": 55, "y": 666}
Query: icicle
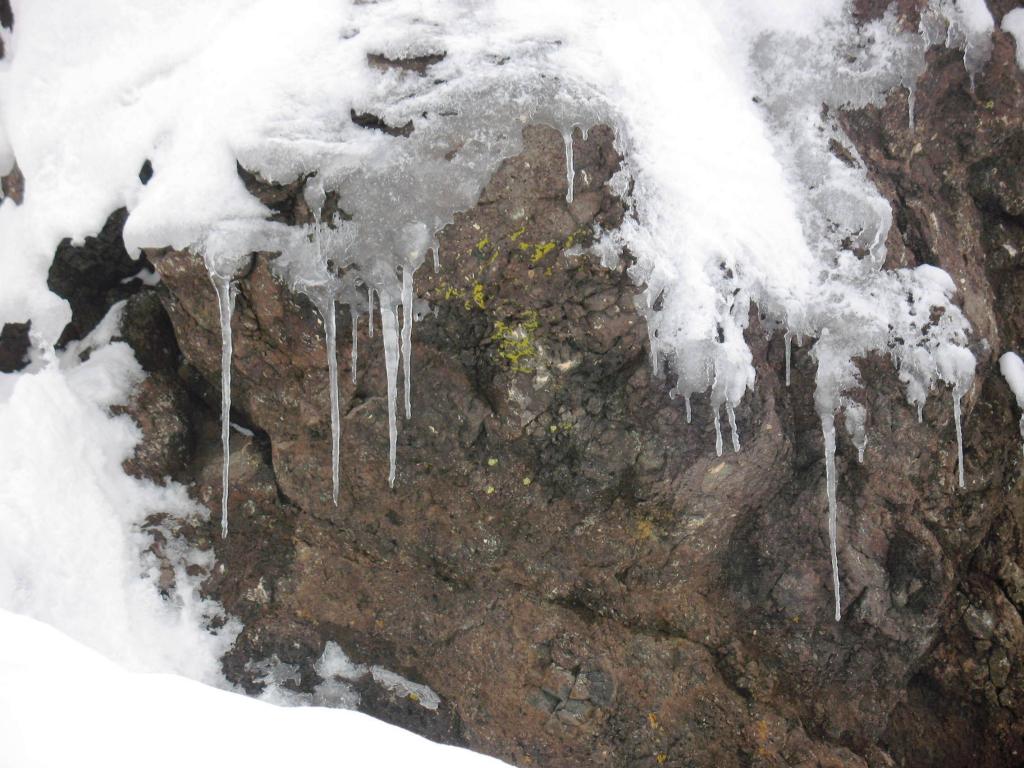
{"x": 355, "y": 344}
{"x": 652, "y": 340}
{"x": 828, "y": 428}
{"x": 226, "y": 303}
{"x": 687, "y": 398}
{"x": 732, "y": 425}
{"x": 788, "y": 338}
{"x": 369, "y": 312}
{"x": 959, "y": 438}
{"x": 331, "y": 334}
{"x": 407, "y": 311}
{"x": 718, "y": 433}
{"x": 1021, "y": 423}
{"x": 911, "y": 101}
{"x": 389, "y": 332}
{"x": 920, "y": 412}
{"x": 437, "y": 255}
{"x": 856, "y": 421}
{"x": 570, "y": 169}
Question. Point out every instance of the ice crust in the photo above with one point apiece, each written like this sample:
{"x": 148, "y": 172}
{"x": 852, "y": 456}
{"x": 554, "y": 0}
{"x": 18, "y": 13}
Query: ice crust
{"x": 736, "y": 201}
{"x": 337, "y": 672}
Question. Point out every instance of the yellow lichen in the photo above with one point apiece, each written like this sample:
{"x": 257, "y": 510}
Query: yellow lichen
{"x": 450, "y": 292}
{"x": 516, "y": 341}
{"x": 478, "y": 295}
{"x": 644, "y": 530}
{"x": 541, "y": 250}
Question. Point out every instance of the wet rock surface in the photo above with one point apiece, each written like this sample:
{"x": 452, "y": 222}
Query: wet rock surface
{"x": 563, "y": 558}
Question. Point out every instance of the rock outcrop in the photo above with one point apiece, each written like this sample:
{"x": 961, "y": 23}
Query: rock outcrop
{"x": 563, "y": 558}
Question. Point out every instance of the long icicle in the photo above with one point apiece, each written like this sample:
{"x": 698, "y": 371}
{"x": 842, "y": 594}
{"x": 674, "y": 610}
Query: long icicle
{"x": 331, "y": 338}
{"x": 355, "y": 344}
{"x": 688, "y": 412}
{"x": 407, "y": 312}
{"x": 718, "y": 433}
{"x": 226, "y": 303}
{"x": 732, "y": 425}
{"x": 369, "y": 311}
{"x": 828, "y": 429}
{"x": 570, "y": 168}
{"x": 436, "y": 247}
{"x": 959, "y": 439}
{"x": 389, "y": 332}
{"x": 788, "y": 339}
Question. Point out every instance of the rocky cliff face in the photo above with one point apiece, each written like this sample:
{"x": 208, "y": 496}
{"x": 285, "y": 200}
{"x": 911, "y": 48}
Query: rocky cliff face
{"x": 563, "y": 558}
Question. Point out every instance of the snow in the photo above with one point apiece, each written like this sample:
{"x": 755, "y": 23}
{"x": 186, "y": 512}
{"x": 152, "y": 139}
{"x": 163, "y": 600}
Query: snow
{"x": 1012, "y": 368}
{"x": 105, "y": 675}
{"x": 70, "y": 519}
{"x": 1013, "y": 22}
{"x": 64, "y": 704}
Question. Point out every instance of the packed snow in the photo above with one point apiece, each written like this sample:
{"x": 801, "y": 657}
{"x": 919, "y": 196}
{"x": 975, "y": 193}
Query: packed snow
{"x": 71, "y": 520}
{"x": 735, "y": 201}
{"x": 63, "y": 704}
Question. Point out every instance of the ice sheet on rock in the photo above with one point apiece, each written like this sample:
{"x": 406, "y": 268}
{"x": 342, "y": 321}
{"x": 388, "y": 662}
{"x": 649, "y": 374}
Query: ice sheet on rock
{"x": 962, "y": 24}
{"x": 394, "y": 682}
{"x": 334, "y": 662}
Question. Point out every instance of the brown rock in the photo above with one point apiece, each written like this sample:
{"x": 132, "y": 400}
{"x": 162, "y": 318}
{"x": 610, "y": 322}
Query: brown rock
{"x": 565, "y": 560}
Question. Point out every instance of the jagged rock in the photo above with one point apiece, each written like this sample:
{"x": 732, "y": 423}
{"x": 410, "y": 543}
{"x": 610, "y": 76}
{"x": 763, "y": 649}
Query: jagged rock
{"x": 94, "y": 275}
{"x": 14, "y": 344}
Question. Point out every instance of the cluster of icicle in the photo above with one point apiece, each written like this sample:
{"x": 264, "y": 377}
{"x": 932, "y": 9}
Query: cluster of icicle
{"x": 849, "y": 305}
{"x": 365, "y": 259}
{"x": 833, "y": 290}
